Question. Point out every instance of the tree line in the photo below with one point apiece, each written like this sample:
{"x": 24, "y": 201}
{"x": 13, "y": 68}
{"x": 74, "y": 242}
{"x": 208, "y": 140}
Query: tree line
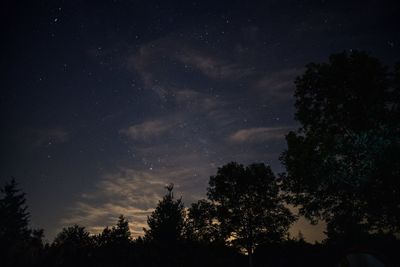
{"x": 342, "y": 167}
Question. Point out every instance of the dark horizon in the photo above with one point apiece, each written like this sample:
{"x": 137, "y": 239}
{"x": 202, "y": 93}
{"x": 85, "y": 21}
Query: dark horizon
{"x": 103, "y": 103}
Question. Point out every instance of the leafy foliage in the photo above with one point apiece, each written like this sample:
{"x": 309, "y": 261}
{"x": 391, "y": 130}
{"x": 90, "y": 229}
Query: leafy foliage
{"x": 201, "y": 224}
{"x": 249, "y": 208}
{"x": 341, "y": 163}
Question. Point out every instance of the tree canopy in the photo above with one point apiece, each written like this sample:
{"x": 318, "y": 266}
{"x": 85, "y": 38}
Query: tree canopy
{"x": 116, "y": 236}
{"x": 73, "y": 237}
{"x": 249, "y": 208}
{"x": 341, "y": 163}
{"x": 201, "y": 223}
{"x": 166, "y": 223}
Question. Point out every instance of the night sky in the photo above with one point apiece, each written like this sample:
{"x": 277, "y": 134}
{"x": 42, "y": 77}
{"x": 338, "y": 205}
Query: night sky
{"x": 104, "y": 102}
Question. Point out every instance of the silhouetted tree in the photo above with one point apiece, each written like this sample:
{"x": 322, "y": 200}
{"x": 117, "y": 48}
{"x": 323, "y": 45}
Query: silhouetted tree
{"x": 167, "y": 221}
{"x": 75, "y": 235}
{"x": 105, "y": 238}
{"x": 249, "y": 208}
{"x": 36, "y": 247}
{"x": 118, "y": 235}
{"x": 201, "y": 224}
{"x": 122, "y": 231}
{"x": 19, "y": 245}
{"x": 72, "y": 247}
{"x": 14, "y": 218}
{"x": 113, "y": 244}
{"x": 342, "y": 163}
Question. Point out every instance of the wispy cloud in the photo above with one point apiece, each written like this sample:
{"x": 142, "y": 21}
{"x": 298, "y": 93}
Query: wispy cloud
{"x": 257, "y": 135}
{"x": 212, "y": 66}
{"x": 194, "y": 100}
{"x": 148, "y": 129}
{"x": 96, "y": 217}
{"x": 129, "y": 192}
{"x": 278, "y": 84}
{"x": 146, "y": 63}
{"x": 151, "y": 59}
{"x": 134, "y": 191}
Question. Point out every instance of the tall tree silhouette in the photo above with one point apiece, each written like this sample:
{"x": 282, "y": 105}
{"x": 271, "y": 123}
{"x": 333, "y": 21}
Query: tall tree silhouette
{"x": 14, "y": 217}
{"x": 18, "y": 244}
{"x": 121, "y": 232}
{"x": 167, "y": 221}
{"x": 249, "y": 208}
{"x": 341, "y": 163}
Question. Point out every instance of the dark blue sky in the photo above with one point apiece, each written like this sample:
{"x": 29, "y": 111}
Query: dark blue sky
{"x": 104, "y": 102}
